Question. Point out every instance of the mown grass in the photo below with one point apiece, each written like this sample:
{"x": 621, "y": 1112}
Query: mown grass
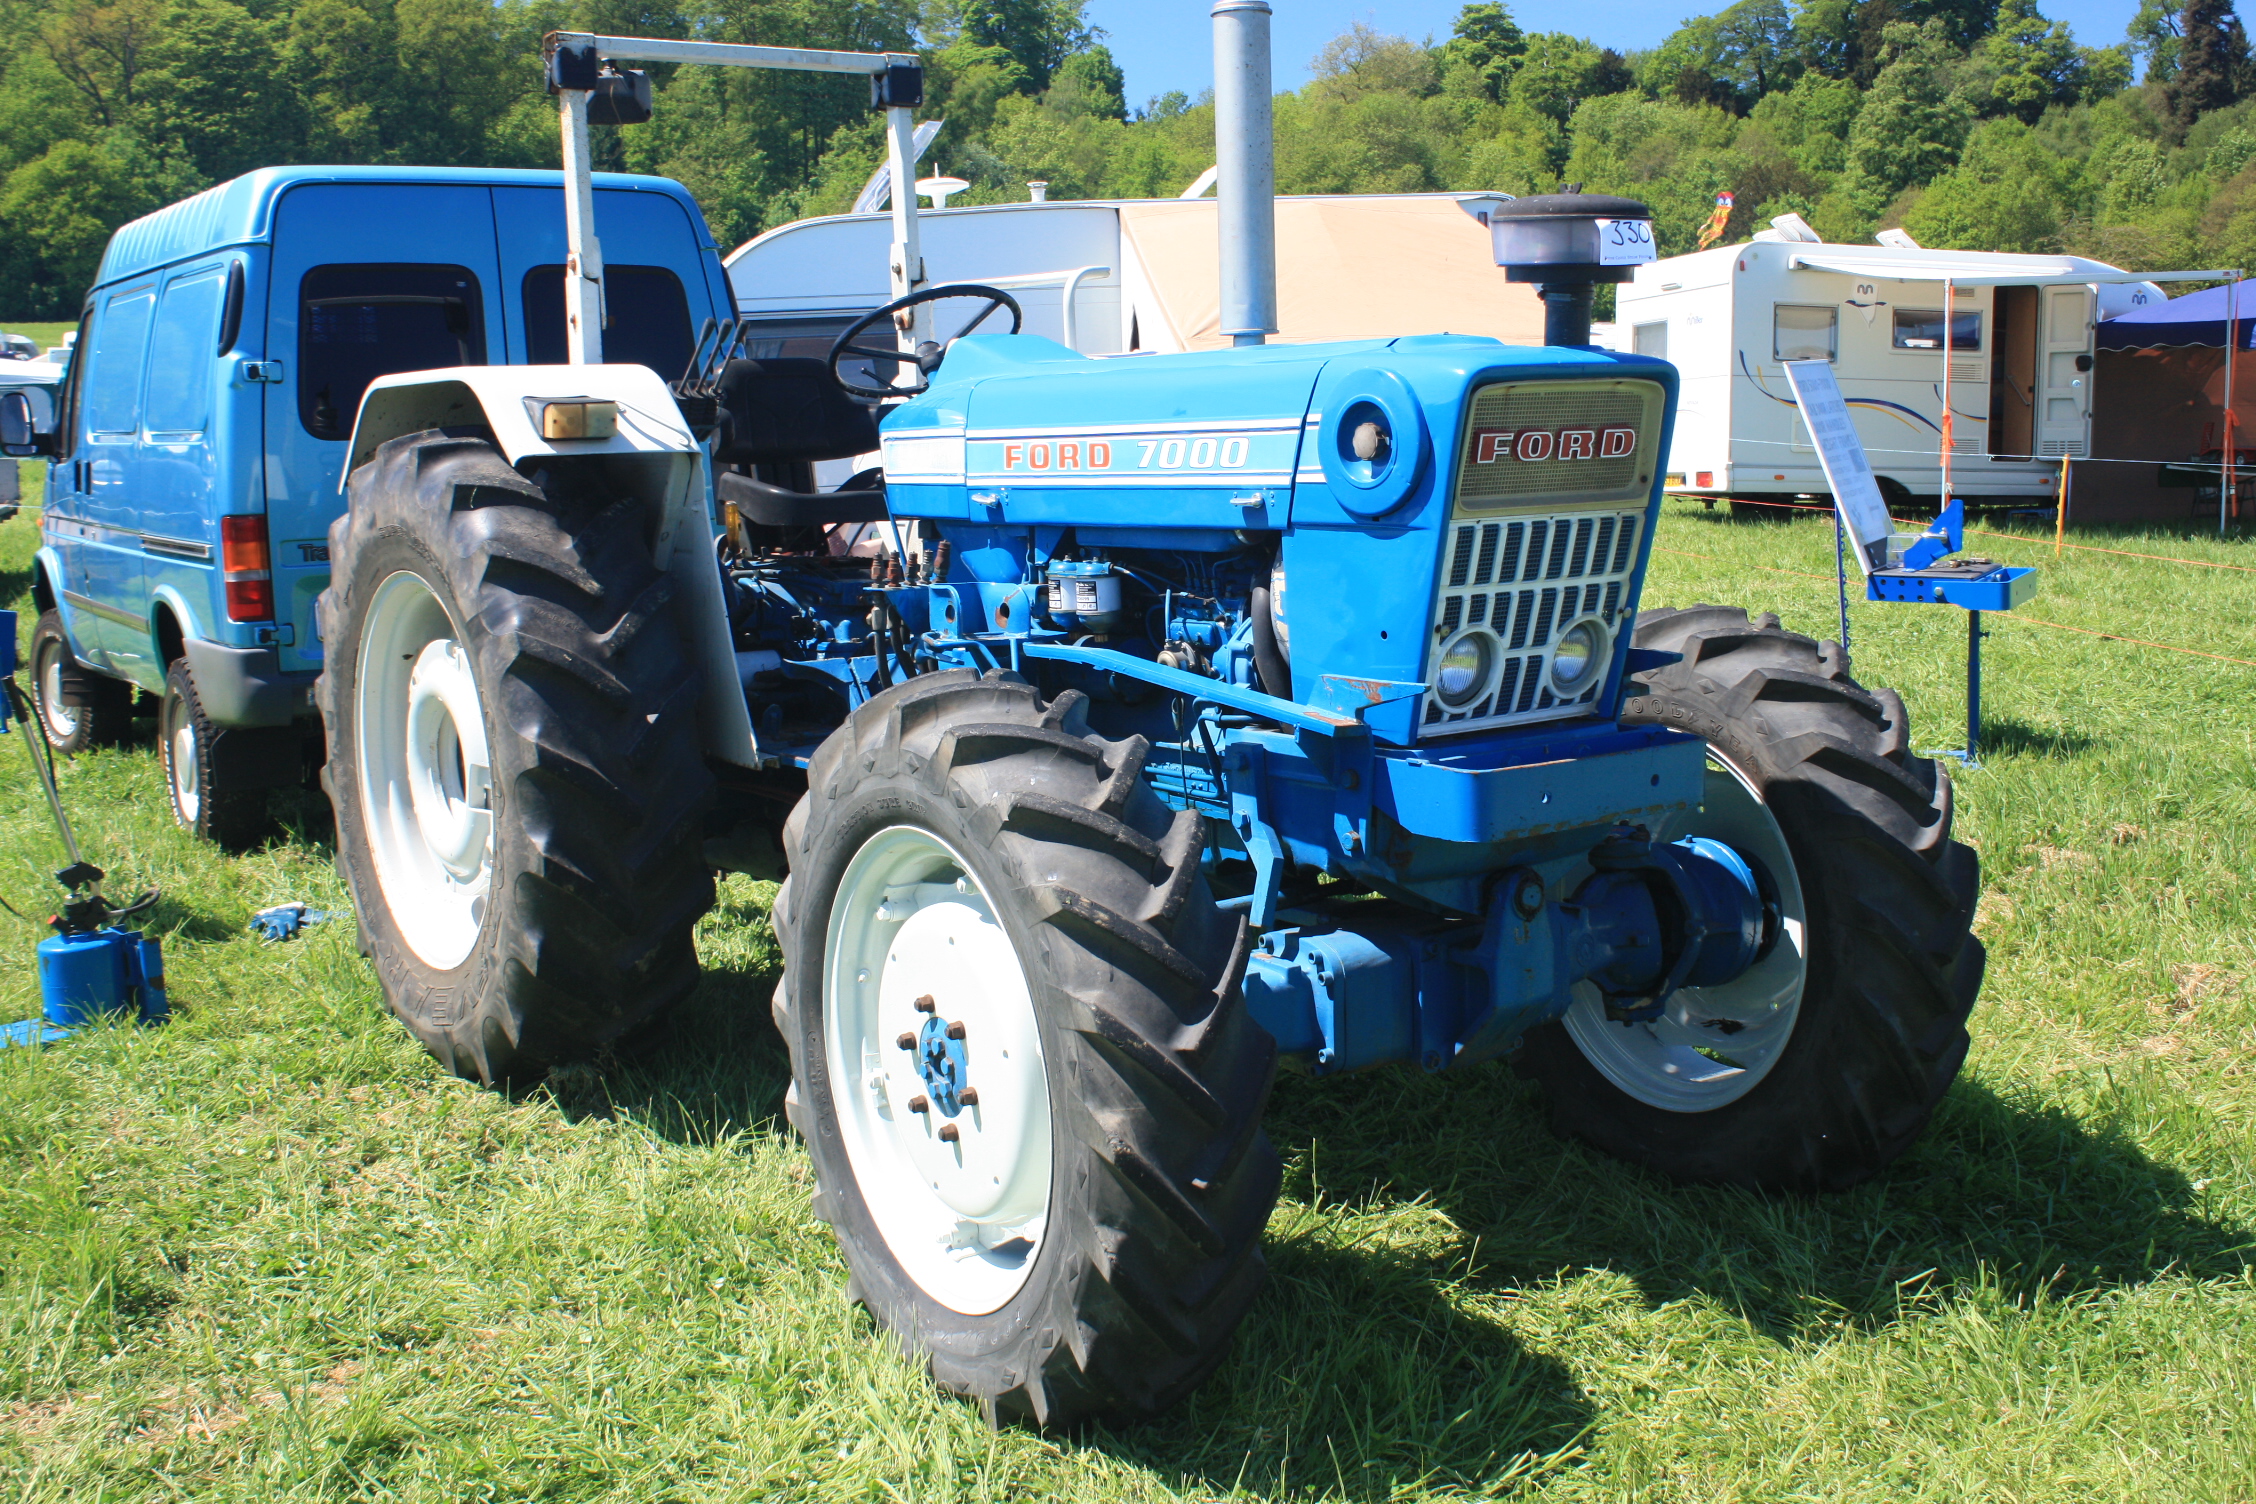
{"x": 270, "y": 1252}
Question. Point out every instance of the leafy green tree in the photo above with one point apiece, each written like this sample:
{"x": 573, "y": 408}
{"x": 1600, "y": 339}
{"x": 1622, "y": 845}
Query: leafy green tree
{"x": 1912, "y": 124}
{"x": 2003, "y": 195}
{"x": 1558, "y": 72}
{"x": 2153, "y": 35}
{"x": 1090, "y": 83}
{"x": 61, "y": 208}
{"x": 2212, "y": 61}
{"x": 1488, "y": 41}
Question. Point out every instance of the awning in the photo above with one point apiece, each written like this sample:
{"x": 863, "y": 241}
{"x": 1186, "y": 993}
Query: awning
{"x": 2198, "y": 319}
{"x": 1990, "y": 271}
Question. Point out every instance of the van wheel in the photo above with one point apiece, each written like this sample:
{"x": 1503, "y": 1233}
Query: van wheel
{"x": 79, "y": 709}
{"x": 514, "y": 756}
{"x": 211, "y": 797}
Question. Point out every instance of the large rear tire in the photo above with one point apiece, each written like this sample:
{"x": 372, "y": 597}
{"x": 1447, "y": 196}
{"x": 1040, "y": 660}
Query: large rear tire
{"x": 1080, "y": 1239}
{"x": 513, "y": 755}
{"x": 1824, "y": 1062}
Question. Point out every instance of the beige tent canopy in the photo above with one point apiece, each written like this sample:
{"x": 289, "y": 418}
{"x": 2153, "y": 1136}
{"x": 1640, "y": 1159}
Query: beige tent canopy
{"x": 1347, "y": 268}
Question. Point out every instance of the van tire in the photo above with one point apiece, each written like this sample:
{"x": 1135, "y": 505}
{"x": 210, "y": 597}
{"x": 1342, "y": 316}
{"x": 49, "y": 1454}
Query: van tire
{"x": 214, "y": 794}
{"x": 79, "y": 708}
{"x": 565, "y": 641}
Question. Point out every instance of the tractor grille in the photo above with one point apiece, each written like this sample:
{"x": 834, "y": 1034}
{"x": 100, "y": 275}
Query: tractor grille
{"x": 1521, "y": 581}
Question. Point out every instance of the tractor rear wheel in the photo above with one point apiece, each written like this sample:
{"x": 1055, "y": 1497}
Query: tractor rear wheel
{"x": 514, "y": 759}
{"x": 1825, "y": 1060}
{"x": 1020, "y": 1058}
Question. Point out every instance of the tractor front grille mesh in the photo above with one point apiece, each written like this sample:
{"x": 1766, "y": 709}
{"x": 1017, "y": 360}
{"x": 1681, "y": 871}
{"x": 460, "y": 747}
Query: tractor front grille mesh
{"x": 1521, "y": 581}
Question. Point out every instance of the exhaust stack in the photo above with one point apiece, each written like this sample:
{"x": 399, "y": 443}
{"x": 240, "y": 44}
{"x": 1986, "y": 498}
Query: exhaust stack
{"x": 1247, "y": 187}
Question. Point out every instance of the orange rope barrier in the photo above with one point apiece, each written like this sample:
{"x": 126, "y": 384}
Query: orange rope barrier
{"x": 2090, "y": 548}
{"x": 2035, "y": 621}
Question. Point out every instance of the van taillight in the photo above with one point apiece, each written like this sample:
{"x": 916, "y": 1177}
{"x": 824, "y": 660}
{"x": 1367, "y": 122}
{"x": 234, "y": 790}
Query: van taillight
{"x": 248, "y": 567}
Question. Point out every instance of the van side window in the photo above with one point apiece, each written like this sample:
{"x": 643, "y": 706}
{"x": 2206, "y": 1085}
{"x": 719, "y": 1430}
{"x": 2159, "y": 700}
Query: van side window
{"x": 180, "y": 366}
{"x": 647, "y": 321}
{"x": 1650, "y": 339}
{"x": 1800, "y": 331}
{"x": 113, "y": 371}
{"x": 356, "y": 323}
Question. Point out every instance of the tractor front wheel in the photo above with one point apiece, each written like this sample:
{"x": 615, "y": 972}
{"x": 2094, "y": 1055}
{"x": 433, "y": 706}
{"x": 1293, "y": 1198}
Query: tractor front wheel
{"x": 513, "y": 755}
{"x": 1823, "y": 1062}
{"x": 1020, "y": 1058}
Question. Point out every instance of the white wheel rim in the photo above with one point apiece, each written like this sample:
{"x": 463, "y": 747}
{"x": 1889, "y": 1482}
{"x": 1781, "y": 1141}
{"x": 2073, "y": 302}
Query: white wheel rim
{"x": 965, "y": 1219}
{"x": 425, "y": 775}
{"x": 1712, "y": 1045}
{"x": 62, "y": 720}
{"x": 187, "y": 782}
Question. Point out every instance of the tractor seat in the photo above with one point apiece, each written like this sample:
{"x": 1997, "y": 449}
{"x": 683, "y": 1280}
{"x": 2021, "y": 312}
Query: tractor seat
{"x": 779, "y": 506}
{"x": 785, "y": 415}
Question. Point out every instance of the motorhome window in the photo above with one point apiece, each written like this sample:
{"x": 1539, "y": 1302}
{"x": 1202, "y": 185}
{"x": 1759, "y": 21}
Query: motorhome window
{"x": 646, "y": 324}
{"x": 356, "y": 323}
{"x": 113, "y": 375}
{"x": 1799, "y": 331}
{"x": 1650, "y": 339}
{"x": 1922, "y": 329}
{"x": 179, "y": 399}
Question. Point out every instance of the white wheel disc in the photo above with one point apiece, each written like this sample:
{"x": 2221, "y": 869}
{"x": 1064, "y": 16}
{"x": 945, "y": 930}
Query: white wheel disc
{"x": 187, "y": 784}
{"x": 62, "y": 720}
{"x": 963, "y": 1215}
{"x": 425, "y": 777}
{"x": 1712, "y": 1045}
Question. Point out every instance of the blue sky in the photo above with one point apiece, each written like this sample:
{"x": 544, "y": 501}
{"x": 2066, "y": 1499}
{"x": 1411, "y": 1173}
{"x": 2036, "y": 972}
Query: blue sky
{"x": 1167, "y": 44}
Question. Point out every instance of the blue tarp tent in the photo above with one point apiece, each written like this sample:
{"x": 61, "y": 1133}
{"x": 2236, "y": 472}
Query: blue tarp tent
{"x": 2197, "y": 319}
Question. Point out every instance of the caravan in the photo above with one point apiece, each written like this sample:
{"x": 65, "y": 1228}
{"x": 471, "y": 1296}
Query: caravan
{"x": 2018, "y": 371}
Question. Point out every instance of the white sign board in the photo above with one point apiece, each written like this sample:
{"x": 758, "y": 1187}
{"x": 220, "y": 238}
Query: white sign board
{"x": 1848, "y": 473}
{"x": 1625, "y": 242}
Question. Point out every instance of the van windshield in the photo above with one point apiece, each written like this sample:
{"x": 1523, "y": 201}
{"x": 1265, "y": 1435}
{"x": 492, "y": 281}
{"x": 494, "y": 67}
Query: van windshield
{"x": 356, "y": 323}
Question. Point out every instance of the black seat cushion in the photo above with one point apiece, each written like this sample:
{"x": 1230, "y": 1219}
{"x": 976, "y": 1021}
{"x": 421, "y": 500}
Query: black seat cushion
{"x": 777, "y": 412}
{"x": 773, "y": 506}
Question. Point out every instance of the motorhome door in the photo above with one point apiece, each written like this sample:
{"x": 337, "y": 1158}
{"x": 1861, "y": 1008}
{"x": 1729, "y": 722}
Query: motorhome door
{"x": 2064, "y": 372}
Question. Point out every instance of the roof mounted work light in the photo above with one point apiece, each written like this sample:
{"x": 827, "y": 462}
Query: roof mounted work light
{"x": 1568, "y": 244}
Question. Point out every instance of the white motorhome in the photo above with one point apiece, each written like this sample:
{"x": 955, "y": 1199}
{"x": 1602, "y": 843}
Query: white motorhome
{"x": 2019, "y": 364}
{"x": 1113, "y": 276}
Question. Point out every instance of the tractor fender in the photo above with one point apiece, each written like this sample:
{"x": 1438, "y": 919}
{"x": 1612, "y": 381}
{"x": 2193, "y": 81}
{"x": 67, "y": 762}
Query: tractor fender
{"x": 651, "y": 457}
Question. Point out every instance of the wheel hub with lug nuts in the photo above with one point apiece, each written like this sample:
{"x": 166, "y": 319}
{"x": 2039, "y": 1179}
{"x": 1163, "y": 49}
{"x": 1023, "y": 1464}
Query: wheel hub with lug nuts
{"x": 920, "y": 973}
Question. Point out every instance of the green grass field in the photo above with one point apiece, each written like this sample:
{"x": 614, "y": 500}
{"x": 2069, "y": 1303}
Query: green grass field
{"x": 269, "y": 1252}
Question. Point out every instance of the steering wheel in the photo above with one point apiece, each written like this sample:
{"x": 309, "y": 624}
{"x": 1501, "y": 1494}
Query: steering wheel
{"x": 928, "y": 354}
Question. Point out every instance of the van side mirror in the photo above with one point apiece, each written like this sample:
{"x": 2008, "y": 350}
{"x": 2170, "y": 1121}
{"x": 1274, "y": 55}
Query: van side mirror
{"x": 24, "y": 430}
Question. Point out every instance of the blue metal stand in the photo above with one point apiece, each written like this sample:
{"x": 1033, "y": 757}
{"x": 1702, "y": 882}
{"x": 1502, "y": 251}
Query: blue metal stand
{"x": 1929, "y": 577}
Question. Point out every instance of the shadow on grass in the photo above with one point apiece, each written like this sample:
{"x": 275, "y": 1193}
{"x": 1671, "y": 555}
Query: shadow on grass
{"x": 2001, "y": 734}
{"x": 710, "y": 1067}
{"x": 1369, "y": 1368}
{"x": 1375, "y": 1362}
{"x": 1999, "y": 1194}
{"x": 1365, "y": 1376}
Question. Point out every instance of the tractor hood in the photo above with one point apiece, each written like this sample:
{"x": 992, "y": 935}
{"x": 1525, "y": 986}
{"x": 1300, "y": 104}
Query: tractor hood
{"x": 1374, "y": 463}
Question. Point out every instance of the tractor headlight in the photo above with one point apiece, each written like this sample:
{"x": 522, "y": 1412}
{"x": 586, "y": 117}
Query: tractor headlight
{"x": 1576, "y": 658}
{"x": 1467, "y": 663}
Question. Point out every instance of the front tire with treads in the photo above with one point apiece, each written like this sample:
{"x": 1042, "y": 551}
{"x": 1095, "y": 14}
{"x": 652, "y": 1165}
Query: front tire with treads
{"x": 513, "y": 754}
{"x": 1846, "y": 1052}
{"x": 1080, "y": 1238}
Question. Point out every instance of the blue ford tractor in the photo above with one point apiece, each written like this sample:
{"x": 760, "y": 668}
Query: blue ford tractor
{"x": 1200, "y": 710}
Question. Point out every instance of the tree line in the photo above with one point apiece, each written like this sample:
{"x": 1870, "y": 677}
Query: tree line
{"x": 1971, "y": 123}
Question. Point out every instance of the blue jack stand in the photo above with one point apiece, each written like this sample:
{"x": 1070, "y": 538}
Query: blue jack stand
{"x": 90, "y": 967}
{"x": 1927, "y": 577}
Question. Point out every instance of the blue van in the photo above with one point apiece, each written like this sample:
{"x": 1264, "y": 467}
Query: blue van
{"x": 196, "y": 446}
